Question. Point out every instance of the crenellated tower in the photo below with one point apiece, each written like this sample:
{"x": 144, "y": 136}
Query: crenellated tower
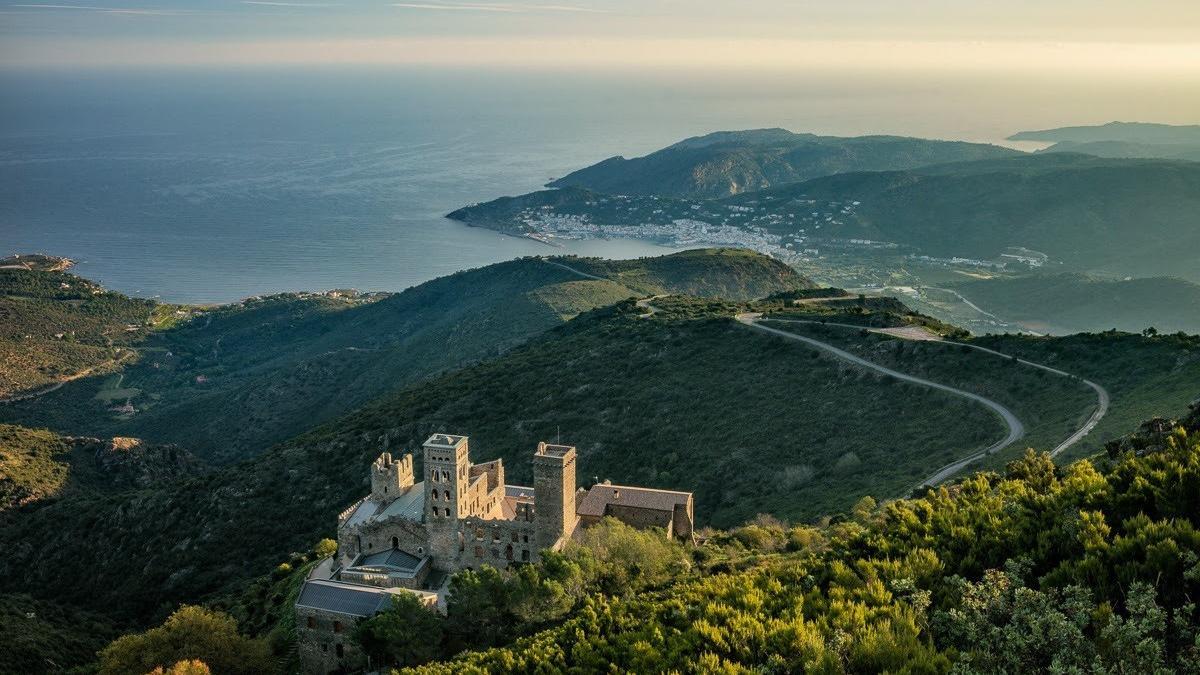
{"x": 391, "y": 477}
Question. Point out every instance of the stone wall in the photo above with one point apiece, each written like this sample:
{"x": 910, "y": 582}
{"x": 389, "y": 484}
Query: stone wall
{"x": 373, "y": 537}
{"x": 497, "y": 542}
{"x": 324, "y": 643}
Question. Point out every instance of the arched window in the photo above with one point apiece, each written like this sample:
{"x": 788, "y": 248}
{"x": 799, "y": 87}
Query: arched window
{"x": 446, "y": 476}
{"x": 395, "y": 542}
{"x": 435, "y": 494}
{"x": 508, "y": 552}
{"x": 433, "y": 475}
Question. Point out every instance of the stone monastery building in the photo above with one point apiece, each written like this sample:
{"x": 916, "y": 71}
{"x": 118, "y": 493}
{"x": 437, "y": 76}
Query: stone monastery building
{"x": 409, "y": 535}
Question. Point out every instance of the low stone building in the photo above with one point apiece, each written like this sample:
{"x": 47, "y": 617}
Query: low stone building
{"x": 408, "y": 536}
{"x": 639, "y": 507}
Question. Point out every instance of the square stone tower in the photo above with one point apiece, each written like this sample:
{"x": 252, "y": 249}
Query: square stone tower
{"x": 447, "y": 467}
{"x": 553, "y": 493}
{"x": 391, "y": 477}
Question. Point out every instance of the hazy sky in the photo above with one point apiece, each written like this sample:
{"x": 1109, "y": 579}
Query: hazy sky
{"x": 1158, "y": 38}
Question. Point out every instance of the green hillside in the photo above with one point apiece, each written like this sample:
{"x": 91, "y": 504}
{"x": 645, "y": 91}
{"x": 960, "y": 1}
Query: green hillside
{"x": 55, "y": 326}
{"x": 1134, "y": 217}
{"x": 1073, "y": 303}
{"x": 241, "y": 377}
{"x": 686, "y": 398}
{"x": 732, "y": 162}
{"x": 37, "y": 466}
{"x": 1091, "y": 567}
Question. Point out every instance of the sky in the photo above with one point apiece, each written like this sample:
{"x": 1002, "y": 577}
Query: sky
{"x": 1145, "y": 38}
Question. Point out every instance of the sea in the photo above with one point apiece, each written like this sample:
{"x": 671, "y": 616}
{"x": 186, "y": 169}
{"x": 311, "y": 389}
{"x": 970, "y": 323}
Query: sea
{"x": 201, "y": 186}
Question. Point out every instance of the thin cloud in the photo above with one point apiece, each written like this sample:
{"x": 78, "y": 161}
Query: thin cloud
{"x": 105, "y": 10}
{"x": 509, "y": 8}
{"x": 290, "y": 4}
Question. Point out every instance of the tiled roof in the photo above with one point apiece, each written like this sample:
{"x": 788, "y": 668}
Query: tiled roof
{"x": 597, "y": 499}
{"x": 343, "y": 598}
{"x": 518, "y": 492}
{"x": 445, "y": 440}
{"x": 391, "y": 558}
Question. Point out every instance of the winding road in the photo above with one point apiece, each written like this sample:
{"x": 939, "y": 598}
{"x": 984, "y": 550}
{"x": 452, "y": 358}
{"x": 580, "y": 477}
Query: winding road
{"x": 1016, "y": 429}
{"x": 953, "y": 468}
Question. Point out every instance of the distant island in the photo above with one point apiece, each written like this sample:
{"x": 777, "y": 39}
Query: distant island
{"x": 1122, "y": 139}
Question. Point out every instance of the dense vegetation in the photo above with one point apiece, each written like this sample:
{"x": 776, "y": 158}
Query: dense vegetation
{"x": 1074, "y": 303}
{"x": 730, "y": 162}
{"x": 797, "y": 436}
{"x": 1084, "y": 568}
{"x": 37, "y": 465}
{"x": 55, "y": 326}
{"x": 244, "y": 376}
{"x": 1147, "y": 376}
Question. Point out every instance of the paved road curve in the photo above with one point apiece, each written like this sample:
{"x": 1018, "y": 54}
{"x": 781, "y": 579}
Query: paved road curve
{"x": 1016, "y": 429}
{"x": 1102, "y": 397}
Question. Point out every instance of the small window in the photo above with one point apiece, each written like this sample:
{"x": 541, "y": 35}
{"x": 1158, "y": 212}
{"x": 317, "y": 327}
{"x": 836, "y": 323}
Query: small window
{"x": 508, "y": 552}
{"x": 525, "y": 555}
{"x": 337, "y": 628}
{"x": 514, "y": 537}
{"x": 420, "y": 550}
{"x": 524, "y": 539}
{"x": 312, "y": 622}
{"x": 478, "y": 551}
{"x": 325, "y": 647}
{"x": 495, "y": 553}
{"x": 340, "y": 651}
{"x": 395, "y": 542}
{"x": 446, "y": 476}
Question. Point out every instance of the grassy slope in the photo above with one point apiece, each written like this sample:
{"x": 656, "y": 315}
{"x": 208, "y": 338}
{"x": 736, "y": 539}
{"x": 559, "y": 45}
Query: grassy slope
{"x": 1146, "y": 377}
{"x": 35, "y": 306}
{"x": 1050, "y": 407}
{"x": 686, "y": 400}
{"x": 1071, "y": 303}
{"x": 274, "y": 367}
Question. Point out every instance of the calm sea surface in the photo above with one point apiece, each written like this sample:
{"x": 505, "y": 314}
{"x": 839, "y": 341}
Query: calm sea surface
{"x": 204, "y": 187}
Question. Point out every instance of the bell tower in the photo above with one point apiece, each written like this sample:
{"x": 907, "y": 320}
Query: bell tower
{"x": 446, "y": 470}
{"x": 553, "y": 493}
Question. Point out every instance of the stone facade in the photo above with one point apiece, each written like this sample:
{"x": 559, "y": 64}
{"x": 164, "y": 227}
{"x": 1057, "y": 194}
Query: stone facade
{"x": 408, "y": 535}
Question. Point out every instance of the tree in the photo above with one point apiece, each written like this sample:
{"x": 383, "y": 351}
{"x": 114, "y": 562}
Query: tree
{"x": 406, "y": 634}
{"x": 191, "y": 633}
{"x": 189, "y": 667}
